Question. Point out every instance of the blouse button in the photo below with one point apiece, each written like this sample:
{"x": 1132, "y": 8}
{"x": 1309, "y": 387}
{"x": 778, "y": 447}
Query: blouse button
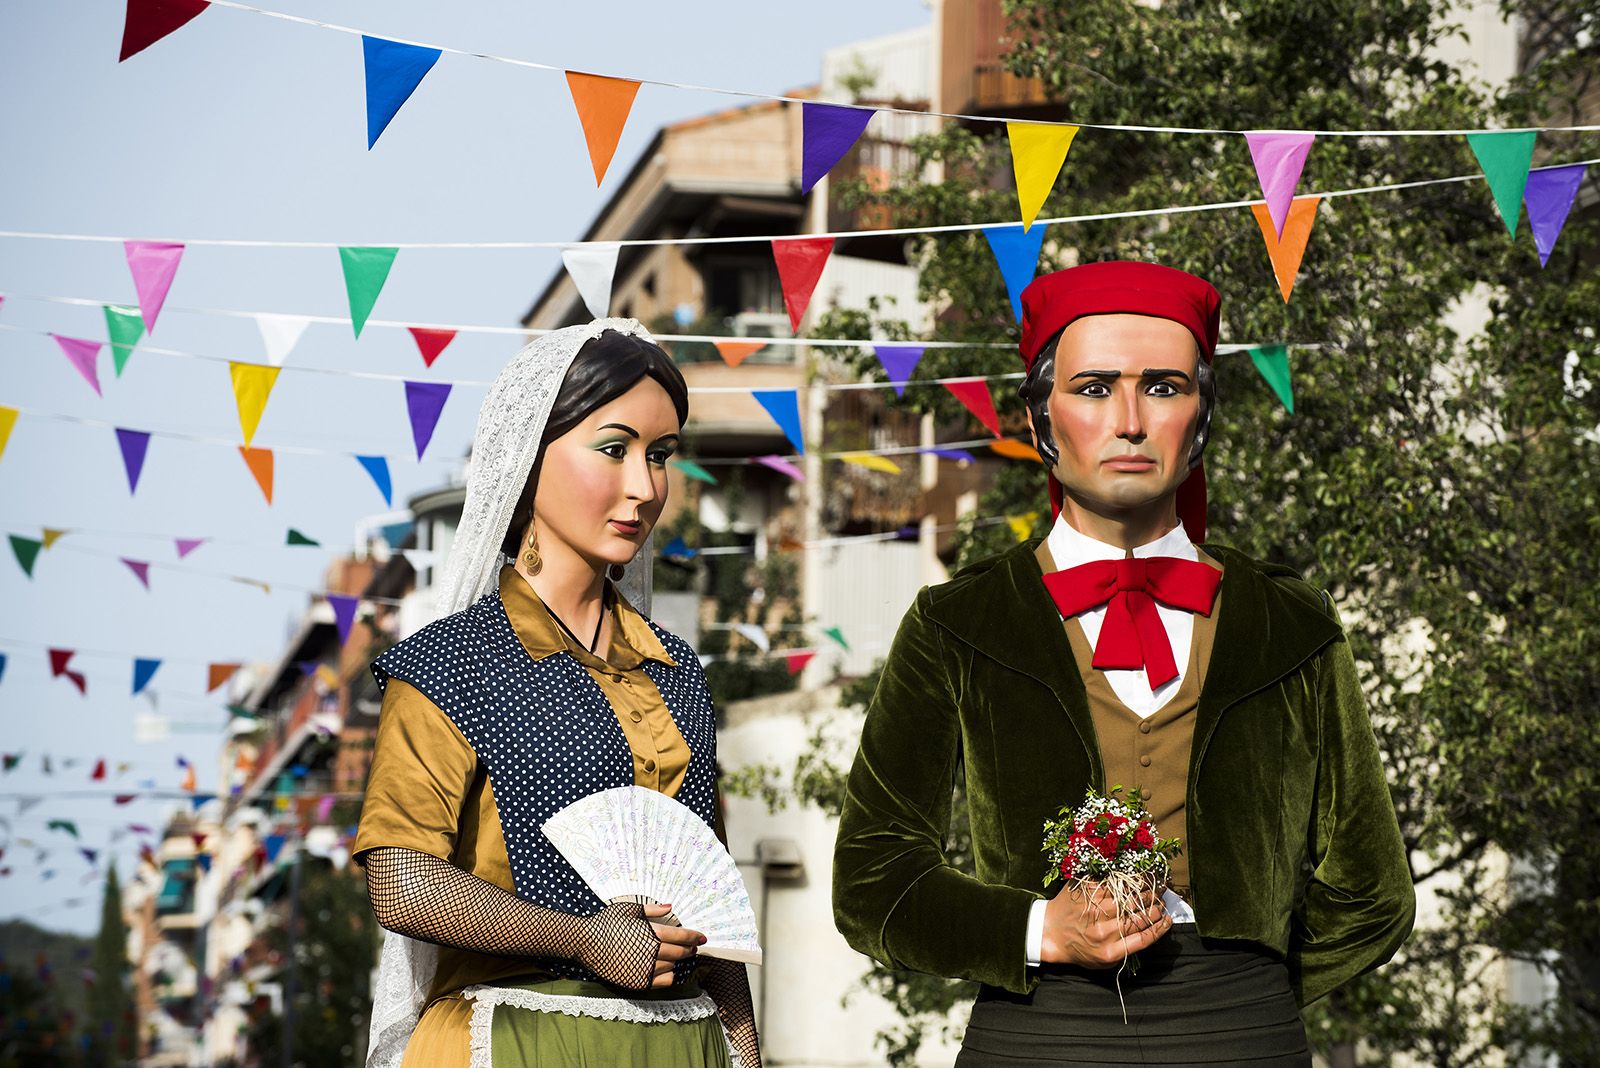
{"x": 1144, "y": 761}
{"x": 1144, "y": 728}
{"x": 616, "y": 678}
{"x": 635, "y": 715}
{"x": 649, "y": 765}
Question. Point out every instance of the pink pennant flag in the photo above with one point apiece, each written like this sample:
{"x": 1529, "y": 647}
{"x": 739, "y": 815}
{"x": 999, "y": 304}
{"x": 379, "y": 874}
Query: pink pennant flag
{"x": 974, "y": 393}
{"x": 1279, "y": 159}
{"x": 153, "y": 264}
{"x": 140, "y": 569}
{"x": 779, "y": 464}
{"x": 188, "y": 545}
{"x": 83, "y": 355}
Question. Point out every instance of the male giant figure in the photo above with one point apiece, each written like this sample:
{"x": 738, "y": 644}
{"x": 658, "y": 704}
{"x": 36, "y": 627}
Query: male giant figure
{"x": 1117, "y": 651}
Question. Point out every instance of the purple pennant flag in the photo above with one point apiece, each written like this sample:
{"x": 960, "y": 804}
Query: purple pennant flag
{"x": 1549, "y": 195}
{"x": 424, "y": 402}
{"x": 188, "y": 545}
{"x": 959, "y": 455}
{"x": 828, "y": 131}
{"x": 778, "y": 463}
{"x": 140, "y": 569}
{"x": 325, "y": 807}
{"x": 134, "y": 444}
{"x": 344, "y": 613}
{"x": 898, "y": 363}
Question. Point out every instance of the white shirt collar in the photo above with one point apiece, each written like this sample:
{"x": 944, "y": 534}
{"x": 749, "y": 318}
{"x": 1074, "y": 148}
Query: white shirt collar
{"x": 1070, "y": 547}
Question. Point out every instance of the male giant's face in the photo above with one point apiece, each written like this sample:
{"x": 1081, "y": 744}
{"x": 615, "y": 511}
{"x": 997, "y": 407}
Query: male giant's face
{"x": 1124, "y": 410}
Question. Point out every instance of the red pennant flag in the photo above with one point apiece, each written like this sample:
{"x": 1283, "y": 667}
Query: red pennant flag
{"x": 431, "y": 342}
{"x": 974, "y": 393}
{"x": 260, "y": 463}
{"x": 99, "y": 772}
{"x": 800, "y": 262}
{"x": 123, "y": 799}
{"x": 798, "y": 661}
{"x": 148, "y": 21}
{"x": 59, "y": 659}
{"x": 217, "y": 674}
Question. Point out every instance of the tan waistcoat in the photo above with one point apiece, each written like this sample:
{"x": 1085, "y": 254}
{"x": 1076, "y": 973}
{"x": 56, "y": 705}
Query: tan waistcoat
{"x": 1150, "y": 752}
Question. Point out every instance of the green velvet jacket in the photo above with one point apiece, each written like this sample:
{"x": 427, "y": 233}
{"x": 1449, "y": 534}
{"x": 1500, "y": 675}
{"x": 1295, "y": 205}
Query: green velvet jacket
{"x": 1293, "y": 841}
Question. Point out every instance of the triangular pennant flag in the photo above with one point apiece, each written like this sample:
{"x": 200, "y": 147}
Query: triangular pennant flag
{"x": 755, "y": 635}
{"x": 871, "y": 461}
{"x": 125, "y": 327}
{"x": 837, "y": 635}
{"x": 82, "y": 354}
{"x": 431, "y": 342}
{"x": 1012, "y": 449}
{"x": 99, "y": 772}
{"x": 217, "y": 674}
{"x": 1037, "y": 152}
{"x": 394, "y": 70}
{"x": 147, "y": 21}
{"x": 260, "y": 463}
{"x": 782, "y": 466}
{"x": 124, "y": 799}
{"x": 189, "y": 784}
{"x": 784, "y": 407}
{"x": 592, "y": 268}
{"x": 678, "y": 549}
{"x": 1017, "y": 252}
{"x": 899, "y": 361}
{"x": 3, "y": 675}
{"x": 694, "y": 471}
{"x": 297, "y": 538}
{"x": 344, "y": 613}
{"x": 1273, "y": 363}
{"x": 424, "y": 402}
{"x": 8, "y": 419}
{"x": 827, "y": 132}
{"x": 59, "y": 659}
{"x": 734, "y": 353}
{"x": 133, "y": 444}
{"x": 1279, "y": 159}
{"x": 140, "y": 569}
{"x": 960, "y": 456}
{"x": 65, "y": 826}
{"x": 800, "y": 262}
{"x": 51, "y": 536}
{"x": 603, "y": 105}
{"x": 378, "y": 468}
{"x": 27, "y": 551}
{"x": 1505, "y": 159}
{"x": 797, "y": 661}
{"x": 11, "y": 760}
{"x": 188, "y": 545}
{"x": 974, "y": 393}
{"x": 143, "y": 672}
{"x": 365, "y": 271}
{"x": 252, "y": 385}
{"x": 153, "y": 263}
{"x": 280, "y": 334}
{"x": 1549, "y": 195}
{"x": 1287, "y": 252}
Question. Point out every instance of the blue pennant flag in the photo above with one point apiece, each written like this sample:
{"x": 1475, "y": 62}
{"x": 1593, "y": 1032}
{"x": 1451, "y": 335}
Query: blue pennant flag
{"x": 784, "y": 407}
{"x": 1017, "y": 252}
{"x": 394, "y": 71}
{"x": 143, "y": 672}
{"x": 378, "y": 468}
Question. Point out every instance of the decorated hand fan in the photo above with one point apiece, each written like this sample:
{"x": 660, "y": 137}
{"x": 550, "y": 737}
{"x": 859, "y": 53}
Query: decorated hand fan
{"x": 634, "y": 844}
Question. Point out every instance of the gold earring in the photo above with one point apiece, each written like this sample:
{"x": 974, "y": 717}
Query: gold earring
{"x": 531, "y": 559}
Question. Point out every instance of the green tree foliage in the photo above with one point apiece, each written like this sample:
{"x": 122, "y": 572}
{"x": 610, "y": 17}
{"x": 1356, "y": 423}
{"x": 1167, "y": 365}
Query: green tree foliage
{"x": 1440, "y": 479}
{"x": 110, "y": 1034}
{"x": 40, "y": 997}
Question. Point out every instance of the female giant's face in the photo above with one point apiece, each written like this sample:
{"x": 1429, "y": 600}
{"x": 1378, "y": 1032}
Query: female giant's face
{"x": 603, "y": 483}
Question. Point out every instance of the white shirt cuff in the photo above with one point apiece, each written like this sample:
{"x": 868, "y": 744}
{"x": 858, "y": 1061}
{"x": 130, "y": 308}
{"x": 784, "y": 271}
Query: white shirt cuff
{"x": 1035, "y": 945}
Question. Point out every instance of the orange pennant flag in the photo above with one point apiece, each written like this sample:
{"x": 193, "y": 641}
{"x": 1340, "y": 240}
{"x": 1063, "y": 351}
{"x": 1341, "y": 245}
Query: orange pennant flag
{"x": 1012, "y": 449}
{"x": 260, "y": 463}
{"x": 1286, "y": 252}
{"x": 735, "y": 352}
{"x": 217, "y": 674}
{"x": 603, "y": 105}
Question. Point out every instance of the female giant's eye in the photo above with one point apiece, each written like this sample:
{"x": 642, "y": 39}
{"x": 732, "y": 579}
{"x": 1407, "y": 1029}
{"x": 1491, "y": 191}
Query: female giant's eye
{"x": 659, "y": 457}
{"x": 615, "y": 449}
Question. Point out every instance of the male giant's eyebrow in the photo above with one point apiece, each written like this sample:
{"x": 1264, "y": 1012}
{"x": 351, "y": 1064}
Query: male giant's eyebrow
{"x": 1148, "y": 372}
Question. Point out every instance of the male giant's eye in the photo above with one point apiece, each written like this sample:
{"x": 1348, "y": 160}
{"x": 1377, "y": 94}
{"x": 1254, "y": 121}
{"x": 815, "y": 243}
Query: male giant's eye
{"x": 1169, "y": 389}
{"x": 1089, "y": 389}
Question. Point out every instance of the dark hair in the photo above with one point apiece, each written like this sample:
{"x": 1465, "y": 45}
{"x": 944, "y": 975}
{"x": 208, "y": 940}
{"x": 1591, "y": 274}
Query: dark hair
{"x": 1041, "y": 381}
{"x": 603, "y": 370}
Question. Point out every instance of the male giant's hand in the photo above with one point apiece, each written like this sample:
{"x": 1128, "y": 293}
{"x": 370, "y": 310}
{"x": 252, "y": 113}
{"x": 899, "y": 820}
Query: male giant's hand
{"x": 1081, "y": 927}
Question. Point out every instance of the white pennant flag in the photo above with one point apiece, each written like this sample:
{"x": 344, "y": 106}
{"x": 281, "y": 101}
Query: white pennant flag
{"x": 280, "y": 333}
{"x": 755, "y": 634}
{"x": 26, "y": 803}
{"x": 592, "y": 268}
{"x": 420, "y": 558}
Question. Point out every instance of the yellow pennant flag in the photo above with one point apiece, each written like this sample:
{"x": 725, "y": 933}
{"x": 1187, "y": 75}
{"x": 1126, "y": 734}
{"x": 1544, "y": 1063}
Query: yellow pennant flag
{"x": 8, "y": 419}
{"x": 52, "y": 535}
{"x": 1022, "y": 525}
{"x": 1037, "y": 153}
{"x": 871, "y": 462}
{"x": 252, "y": 385}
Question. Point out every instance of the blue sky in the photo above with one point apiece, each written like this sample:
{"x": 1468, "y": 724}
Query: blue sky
{"x": 241, "y": 126}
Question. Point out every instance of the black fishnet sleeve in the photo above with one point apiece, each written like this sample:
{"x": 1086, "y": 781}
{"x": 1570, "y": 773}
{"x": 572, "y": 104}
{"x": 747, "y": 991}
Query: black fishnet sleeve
{"x": 424, "y": 897}
{"x": 729, "y": 986}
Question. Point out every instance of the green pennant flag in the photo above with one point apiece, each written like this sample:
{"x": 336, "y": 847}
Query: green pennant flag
{"x": 27, "y": 551}
{"x": 837, "y": 635}
{"x": 63, "y": 825}
{"x": 365, "y": 271}
{"x": 1505, "y": 159}
{"x": 126, "y": 327}
{"x": 1273, "y": 363}
{"x": 297, "y": 538}
{"x": 13, "y": 759}
{"x": 694, "y": 471}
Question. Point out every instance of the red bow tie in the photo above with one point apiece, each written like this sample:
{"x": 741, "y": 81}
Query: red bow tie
{"x": 1132, "y": 635}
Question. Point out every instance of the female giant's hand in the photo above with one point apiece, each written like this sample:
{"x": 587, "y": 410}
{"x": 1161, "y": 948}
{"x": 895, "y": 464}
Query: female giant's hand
{"x": 1081, "y": 927}
{"x": 624, "y": 946}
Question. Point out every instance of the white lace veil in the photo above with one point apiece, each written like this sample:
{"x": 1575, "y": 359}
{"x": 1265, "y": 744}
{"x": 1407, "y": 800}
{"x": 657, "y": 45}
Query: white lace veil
{"x": 510, "y": 426}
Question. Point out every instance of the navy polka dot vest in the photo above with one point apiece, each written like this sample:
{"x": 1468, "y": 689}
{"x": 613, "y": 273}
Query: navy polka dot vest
{"x": 546, "y": 735}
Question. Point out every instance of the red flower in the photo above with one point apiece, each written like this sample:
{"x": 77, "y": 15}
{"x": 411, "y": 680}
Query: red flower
{"x": 1066, "y": 866}
{"x": 1107, "y": 845}
{"x": 1142, "y": 836}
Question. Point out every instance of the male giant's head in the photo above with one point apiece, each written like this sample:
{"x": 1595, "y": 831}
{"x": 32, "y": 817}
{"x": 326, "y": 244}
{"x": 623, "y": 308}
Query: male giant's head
{"x": 1119, "y": 386}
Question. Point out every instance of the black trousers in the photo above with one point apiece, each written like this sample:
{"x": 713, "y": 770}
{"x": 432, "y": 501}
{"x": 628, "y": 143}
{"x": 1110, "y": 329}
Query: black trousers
{"x": 1194, "y": 1001}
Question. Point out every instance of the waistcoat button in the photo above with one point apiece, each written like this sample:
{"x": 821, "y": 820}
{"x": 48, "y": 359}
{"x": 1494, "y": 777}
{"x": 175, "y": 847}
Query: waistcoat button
{"x": 1144, "y": 761}
{"x": 635, "y": 715}
{"x": 1144, "y": 727}
{"x": 649, "y": 765}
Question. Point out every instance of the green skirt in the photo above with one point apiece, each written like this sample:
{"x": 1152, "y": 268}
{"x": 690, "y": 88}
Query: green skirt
{"x": 568, "y": 1023}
